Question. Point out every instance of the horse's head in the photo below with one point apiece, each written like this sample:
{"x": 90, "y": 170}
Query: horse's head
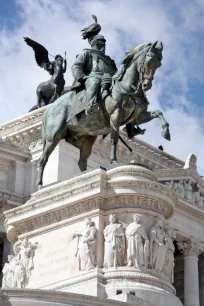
{"x": 149, "y": 64}
{"x": 147, "y": 58}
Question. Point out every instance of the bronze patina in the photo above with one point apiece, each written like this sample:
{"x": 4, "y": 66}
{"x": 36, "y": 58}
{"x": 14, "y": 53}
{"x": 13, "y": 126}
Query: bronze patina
{"x": 102, "y": 99}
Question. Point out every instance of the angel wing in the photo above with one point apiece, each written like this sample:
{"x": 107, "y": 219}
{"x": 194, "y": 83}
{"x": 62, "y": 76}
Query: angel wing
{"x": 41, "y": 55}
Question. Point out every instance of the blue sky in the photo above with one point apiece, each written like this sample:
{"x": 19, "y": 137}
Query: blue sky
{"x": 178, "y": 87}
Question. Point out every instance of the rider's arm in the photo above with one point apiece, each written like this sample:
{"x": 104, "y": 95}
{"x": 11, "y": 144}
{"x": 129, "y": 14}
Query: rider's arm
{"x": 78, "y": 66}
{"x": 65, "y": 66}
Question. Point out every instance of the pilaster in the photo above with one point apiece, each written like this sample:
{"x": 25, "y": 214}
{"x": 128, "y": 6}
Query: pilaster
{"x": 191, "y": 250}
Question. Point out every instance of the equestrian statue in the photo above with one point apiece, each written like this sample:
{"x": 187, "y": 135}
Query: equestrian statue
{"x": 48, "y": 92}
{"x": 101, "y": 99}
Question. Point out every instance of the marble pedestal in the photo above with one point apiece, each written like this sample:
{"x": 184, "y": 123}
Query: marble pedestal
{"x": 47, "y": 224}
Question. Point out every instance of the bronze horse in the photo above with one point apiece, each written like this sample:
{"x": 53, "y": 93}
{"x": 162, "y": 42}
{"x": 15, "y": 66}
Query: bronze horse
{"x": 126, "y": 103}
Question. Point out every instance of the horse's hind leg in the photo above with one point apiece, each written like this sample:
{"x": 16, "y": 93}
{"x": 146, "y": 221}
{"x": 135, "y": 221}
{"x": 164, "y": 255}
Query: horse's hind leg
{"x": 115, "y": 124}
{"x": 84, "y": 144}
{"x": 85, "y": 152}
{"x": 48, "y": 148}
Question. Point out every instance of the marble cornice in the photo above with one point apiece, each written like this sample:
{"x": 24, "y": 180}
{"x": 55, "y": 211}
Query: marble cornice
{"x": 55, "y": 297}
{"x": 91, "y": 191}
{"x": 191, "y": 210}
{"x": 21, "y": 123}
{"x": 176, "y": 174}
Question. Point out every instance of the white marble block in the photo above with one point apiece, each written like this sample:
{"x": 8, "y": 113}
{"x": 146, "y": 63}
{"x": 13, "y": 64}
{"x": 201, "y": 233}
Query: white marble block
{"x": 101, "y": 233}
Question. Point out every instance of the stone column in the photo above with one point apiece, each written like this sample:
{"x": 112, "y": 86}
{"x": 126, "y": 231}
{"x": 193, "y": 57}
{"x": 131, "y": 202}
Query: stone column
{"x": 191, "y": 251}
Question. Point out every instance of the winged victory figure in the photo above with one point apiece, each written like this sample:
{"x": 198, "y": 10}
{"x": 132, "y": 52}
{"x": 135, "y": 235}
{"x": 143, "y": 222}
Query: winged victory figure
{"x": 49, "y": 91}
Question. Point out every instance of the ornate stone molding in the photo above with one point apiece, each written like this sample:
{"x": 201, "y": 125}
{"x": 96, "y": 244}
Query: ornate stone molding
{"x": 90, "y": 191}
{"x": 191, "y": 162}
{"x": 191, "y": 247}
{"x": 141, "y": 202}
{"x": 21, "y": 123}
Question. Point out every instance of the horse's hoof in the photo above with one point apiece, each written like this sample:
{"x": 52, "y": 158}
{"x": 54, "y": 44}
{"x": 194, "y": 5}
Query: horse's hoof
{"x": 114, "y": 162}
{"x": 166, "y": 135}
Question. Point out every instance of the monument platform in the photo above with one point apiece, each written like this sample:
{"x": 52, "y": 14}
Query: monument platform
{"x": 50, "y": 224}
{"x": 76, "y": 247}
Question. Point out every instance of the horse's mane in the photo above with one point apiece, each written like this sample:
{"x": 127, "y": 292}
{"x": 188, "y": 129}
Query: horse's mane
{"x": 129, "y": 56}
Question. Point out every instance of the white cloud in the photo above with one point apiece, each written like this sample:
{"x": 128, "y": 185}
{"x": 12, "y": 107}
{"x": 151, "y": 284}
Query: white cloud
{"x": 57, "y": 25}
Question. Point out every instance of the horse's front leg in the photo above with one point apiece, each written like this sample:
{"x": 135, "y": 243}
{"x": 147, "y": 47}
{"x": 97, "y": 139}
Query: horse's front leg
{"x": 115, "y": 120}
{"x": 164, "y": 124}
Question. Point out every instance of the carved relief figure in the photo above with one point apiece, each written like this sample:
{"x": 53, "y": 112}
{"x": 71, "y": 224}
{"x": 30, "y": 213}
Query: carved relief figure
{"x": 86, "y": 246}
{"x": 179, "y": 188}
{"x": 27, "y": 252}
{"x": 188, "y": 190}
{"x": 170, "y": 184}
{"x": 197, "y": 198}
{"x": 170, "y": 261}
{"x": 138, "y": 244}
{"x": 114, "y": 235}
{"x": 158, "y": 246}
{"x": 7, "y": 281}
{"x": 17, "y": 271}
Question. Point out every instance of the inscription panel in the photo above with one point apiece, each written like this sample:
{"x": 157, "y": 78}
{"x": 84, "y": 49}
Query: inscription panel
{"x": 57, "y": 256}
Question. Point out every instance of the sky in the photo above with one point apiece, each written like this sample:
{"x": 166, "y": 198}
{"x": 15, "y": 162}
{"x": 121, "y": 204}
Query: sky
{"x": 178, "y": 87}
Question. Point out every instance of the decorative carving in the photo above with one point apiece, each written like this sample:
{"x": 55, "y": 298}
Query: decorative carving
{"x": 188, "y": 190}
{"x": 114, "y": 235}
{"x": 170, "y": 261}
{"x": 158, "y": 246}
{"x": 179, "y": 188}
{"x": 191, "y": 162}
{"x": 8, "y": 269}
{"x": 138, "y": 244}
{"x": 190, "y": 247}
{"x": 18, "y": 270}
{"x": 57, "y": 216}
{"x": 86, "y": 246}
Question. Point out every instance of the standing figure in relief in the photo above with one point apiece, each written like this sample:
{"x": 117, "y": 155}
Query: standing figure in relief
{"x": 188, "y": 190}
{"x": 170, "y": 184}
{"x": 8, "y": 273}
{"x": 86, "y": 246}
{"x": 181, "y": 188}
{"x": 114, "y": 235}
{"x": 158, "y": 246}
{"x": 197, "y": 198}
{"x": 19, "y": 277}
{"x": 27, "y": 252}
{"x": 138, "y": 244}
{"x": 170, "y": 261}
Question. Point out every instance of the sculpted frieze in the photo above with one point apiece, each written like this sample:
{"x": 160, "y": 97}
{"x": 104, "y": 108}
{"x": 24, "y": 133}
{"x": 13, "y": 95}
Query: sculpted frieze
{"x": 188, "y": 190}
{"x": 139, "y": 202}
{"x": 17, "y": 272}
{"x": 26, "y": 121}
{"x": 57, "y": 216}
{"x": 143, "y": 249}
{"x": 86, "y": 251}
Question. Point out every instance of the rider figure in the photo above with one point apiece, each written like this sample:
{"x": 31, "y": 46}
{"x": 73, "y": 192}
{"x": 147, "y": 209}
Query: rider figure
{"x": 93, "y": 69}
{"x": 57, "y": 69}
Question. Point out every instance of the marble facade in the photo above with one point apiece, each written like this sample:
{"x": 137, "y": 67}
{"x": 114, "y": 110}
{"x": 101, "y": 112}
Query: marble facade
{"x": 115, "y": 233}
